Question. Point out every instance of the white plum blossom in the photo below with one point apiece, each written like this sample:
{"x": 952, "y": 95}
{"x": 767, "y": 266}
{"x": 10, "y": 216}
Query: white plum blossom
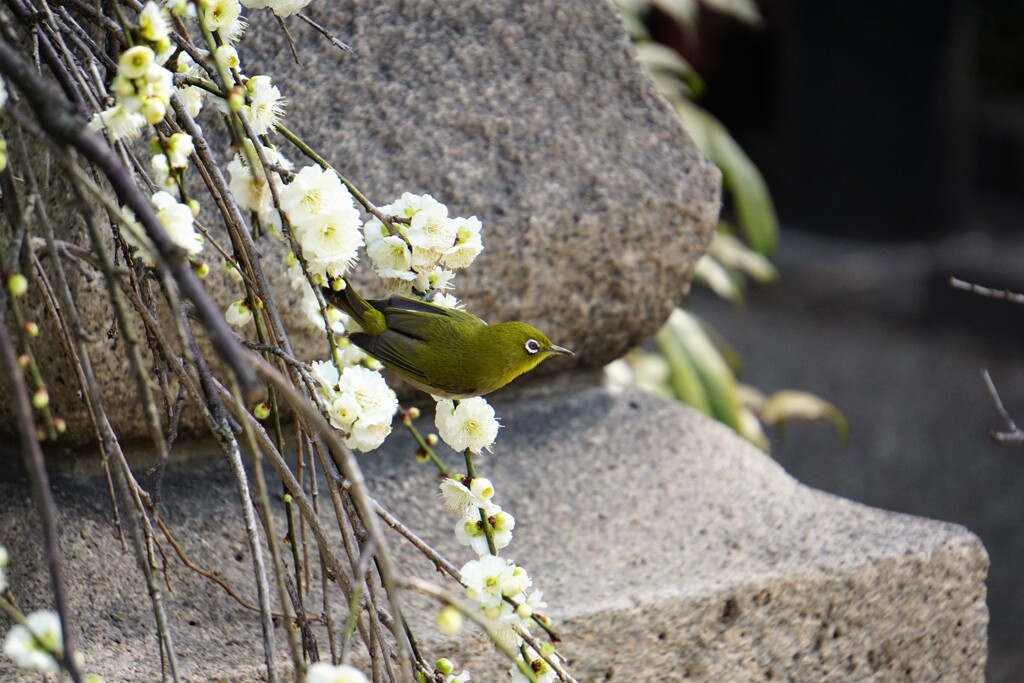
{"x": 286, "y": 8}
{"x": 179, "y": 148}
{"x": 30, "y": 647}
{"x": 227, "y": 56}
{"x": 486, "y": 579}
{"x": 470, "y": 530}
{"x": 153, "y": 25}
{"x": 541, "y": 669}
{"x": 322, "y": 672}
{"x": 463, "y": 677}
{"x": 135, "y": 61}
{"x": 119, "y": 122}
{"x": 161, "y": 173}
{"x": 251, "y": 191}
{"x": 178, "y": 221}
{"x": 376, "y": 400}
{"x": 239, "y": 314}
{"x": 325, "y": 220}
{"x": 223, "y": 16}
{"x": 459, "y": 498}
{"x": 358, "y": 401}
{"x": 266, "y": 105}
{"x": 446, "y": 301}
{"x": 469, "y": 426}
{"x": 468, "y": 244}
{"x": 142, "y": 86}
{"x": 192, "y": 97}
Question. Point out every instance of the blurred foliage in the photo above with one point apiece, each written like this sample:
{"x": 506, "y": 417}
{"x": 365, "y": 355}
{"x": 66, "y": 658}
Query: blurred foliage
{"x": 692, "y": 363}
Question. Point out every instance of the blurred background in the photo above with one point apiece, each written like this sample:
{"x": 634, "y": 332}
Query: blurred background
{"x": 890, "y": 137}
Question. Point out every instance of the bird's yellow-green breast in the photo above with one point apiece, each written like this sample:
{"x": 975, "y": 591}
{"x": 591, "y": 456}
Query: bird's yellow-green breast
{"x": 446, "y": 352}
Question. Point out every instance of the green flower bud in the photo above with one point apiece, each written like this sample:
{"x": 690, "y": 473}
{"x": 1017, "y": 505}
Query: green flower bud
{"x": 17, "y": 285}
{"x": 449, "y": 620}
{"x": 262, "y": 411}
{"x": 414, "y": 413}
{"x": 193, "y": 205}
{"x": 40, "y": 399}
{"x": 59, "y": 425}
{"x": 432, "y": 440}
{"x": 236, "y": 100}
{"x": 31, "y": 329}
{"x": 444, "y": 666}
{"x": 202, "y": 269}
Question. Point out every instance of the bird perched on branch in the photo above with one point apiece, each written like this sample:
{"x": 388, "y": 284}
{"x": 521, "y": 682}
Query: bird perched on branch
{"x": 443, "y": 351}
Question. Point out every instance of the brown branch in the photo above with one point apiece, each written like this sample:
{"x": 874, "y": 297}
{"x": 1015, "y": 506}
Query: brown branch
{"x": 59, "y": 120}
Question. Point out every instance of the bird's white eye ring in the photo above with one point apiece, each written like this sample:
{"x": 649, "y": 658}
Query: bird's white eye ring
{"x": 532, "y": 346}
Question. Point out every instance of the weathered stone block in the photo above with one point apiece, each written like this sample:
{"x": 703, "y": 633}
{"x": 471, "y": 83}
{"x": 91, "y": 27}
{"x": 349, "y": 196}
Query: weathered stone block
{"x": 535, "y": 117}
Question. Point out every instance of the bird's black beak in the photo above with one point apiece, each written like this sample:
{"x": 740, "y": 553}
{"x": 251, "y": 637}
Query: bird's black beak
{"x": 561, "y": 351}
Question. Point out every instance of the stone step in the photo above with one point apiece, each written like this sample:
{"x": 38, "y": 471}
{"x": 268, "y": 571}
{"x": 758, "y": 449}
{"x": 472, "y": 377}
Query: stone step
{"x": 668, "y": 548}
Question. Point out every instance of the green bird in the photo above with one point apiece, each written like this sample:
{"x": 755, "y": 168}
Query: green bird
{"x": 445, "y": 352}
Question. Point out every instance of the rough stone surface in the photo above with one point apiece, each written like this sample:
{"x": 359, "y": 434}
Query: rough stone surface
{"x": 669, "y": 549}
{"x": 536, "y": 117}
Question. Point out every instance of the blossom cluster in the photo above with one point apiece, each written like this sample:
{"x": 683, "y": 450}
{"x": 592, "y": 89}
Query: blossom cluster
{"x": 496, "y": 586}
{"x": 325, "y": 222}
{"x": 358, "y": 402}
{"x": 142, "y": 88}
{"x": 420, "y": 257}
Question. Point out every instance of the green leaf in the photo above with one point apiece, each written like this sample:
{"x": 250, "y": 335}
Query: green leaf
{"x": 740, "y": 176}
{"x": 732, "y": 252}
{"x": 683, "y": 376}
{"x": 717, "y": 379}
{"x": 711, "y": 273}
{"x": 789, "y": 404}
{"x": 744, "y": 10}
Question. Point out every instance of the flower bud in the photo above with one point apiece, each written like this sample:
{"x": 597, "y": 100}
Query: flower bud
{"x": 236, "y": 100}
{"x": 524, "y": 611}
{"x": 449, "y": 620}
{"x": 17, "y": 285}
{"x": 414, "y": 413}
{"x": 262, "y": 411}
{"x": 59, "y": 425}
{"x": 40, "y": 399}
{"x": 31, "y": 329}
{"x": 201, "y": 269}
{"x": 482, "y": 488}
{"x": 288, "y": 499}
{"x": 432, "y": 440}
{"x": 24, "y": 361}
{"x": 338, "y": 284}
{"x": 444, "y": 666}
{"x": 153, "y": 110}
{"x": 193, "y": 206}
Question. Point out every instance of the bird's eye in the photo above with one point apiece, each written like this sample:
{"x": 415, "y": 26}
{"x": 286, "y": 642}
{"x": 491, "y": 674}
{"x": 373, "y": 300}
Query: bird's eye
{"x": 532, "y": 346}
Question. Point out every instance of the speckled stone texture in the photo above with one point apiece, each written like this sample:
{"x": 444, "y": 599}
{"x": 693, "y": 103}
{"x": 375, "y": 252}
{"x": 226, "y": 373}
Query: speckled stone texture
{"x": 669, "y": 549}
{"x": 536, "y": 117}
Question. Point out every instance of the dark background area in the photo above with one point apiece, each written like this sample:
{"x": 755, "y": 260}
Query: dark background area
{"x": 891, "y": 136}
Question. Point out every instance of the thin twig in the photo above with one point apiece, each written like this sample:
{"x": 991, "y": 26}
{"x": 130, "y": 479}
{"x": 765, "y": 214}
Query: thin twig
{"x": 1013, "y": 434}
{"x": 987, "y": 292}
{"x": 326, "y": 34}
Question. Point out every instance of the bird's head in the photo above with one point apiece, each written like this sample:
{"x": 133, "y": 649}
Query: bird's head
{"x": 524, "y": 346}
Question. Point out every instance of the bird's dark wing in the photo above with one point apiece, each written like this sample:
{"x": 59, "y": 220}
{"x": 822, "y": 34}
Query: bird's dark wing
{"x": 418, "y": 318}
{"x": 393, "y": 350}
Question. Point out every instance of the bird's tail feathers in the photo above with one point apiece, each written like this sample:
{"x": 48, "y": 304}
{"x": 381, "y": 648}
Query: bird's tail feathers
{"x": 359, "y": 309}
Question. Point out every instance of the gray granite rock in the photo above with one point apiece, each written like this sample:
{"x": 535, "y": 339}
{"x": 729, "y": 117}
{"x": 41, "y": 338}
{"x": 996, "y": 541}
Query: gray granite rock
{"x": 535, "y": 117}
{"x": 669, "y": 549}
